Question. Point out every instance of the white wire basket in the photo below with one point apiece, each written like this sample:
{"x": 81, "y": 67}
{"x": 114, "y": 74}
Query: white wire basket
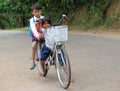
{"x": 59, "y": 33}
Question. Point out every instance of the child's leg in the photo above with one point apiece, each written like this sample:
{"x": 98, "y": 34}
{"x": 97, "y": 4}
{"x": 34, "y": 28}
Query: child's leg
{"x": 45, "y": 52}
{"x": 34, "y": 46}
{"x": 42, "y": 62}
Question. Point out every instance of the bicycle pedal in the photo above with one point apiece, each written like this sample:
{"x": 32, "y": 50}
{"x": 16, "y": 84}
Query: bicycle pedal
{"x": 37, "y": 59}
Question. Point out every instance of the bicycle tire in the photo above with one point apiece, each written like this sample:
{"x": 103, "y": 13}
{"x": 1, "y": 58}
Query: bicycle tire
{"x": 38, "y": 50}
{"x": 63, "y": 71}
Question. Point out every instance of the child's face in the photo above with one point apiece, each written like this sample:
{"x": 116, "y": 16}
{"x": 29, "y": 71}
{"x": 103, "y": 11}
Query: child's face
{"x": 36, "y": 13}
{"x": 46, "y": 25}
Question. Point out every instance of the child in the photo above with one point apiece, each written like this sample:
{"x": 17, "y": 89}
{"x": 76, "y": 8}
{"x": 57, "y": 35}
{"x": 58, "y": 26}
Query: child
{"x": 47, "y": 48}
{"x": 36, "y": 27}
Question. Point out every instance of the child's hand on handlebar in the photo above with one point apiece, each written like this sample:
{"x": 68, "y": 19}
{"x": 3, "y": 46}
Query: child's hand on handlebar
{"x": 38, "y": 38}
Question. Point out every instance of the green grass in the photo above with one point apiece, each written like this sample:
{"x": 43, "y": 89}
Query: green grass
{"x": 20, "y": 29}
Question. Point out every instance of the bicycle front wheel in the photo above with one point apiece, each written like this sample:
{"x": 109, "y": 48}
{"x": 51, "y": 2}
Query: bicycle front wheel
{"x": 63, "y": 68}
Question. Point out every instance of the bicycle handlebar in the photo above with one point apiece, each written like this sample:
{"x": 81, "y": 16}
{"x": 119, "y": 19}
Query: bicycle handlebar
{"x": 64, "y": 16}
{"x": 60, "y": 21}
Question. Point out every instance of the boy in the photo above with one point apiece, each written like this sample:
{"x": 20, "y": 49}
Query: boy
{"x": 47, "y": 48}
{"x": 36, "y": 27}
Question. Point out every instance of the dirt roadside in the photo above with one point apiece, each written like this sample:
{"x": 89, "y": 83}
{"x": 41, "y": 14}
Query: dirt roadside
{"x": 112, "y": 33}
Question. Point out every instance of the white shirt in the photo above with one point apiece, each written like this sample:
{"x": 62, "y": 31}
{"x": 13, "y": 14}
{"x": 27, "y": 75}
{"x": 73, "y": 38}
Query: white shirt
{"x": 48, "y": 35}
{"x": 33, "y": 25}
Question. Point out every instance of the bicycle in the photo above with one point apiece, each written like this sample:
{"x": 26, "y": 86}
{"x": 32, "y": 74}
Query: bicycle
{"x": 59, "y": 57}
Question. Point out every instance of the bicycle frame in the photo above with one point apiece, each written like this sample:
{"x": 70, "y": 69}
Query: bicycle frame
{"x": 56, "y": 47}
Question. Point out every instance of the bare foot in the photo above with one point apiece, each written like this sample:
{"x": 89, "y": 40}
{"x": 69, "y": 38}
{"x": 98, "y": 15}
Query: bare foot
{"x": 40, "y": 74}
{"x": 43, "y": 74}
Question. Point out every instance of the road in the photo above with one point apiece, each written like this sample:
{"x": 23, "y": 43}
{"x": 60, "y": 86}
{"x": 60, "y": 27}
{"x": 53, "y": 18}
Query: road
{"x": 95, "y": 62}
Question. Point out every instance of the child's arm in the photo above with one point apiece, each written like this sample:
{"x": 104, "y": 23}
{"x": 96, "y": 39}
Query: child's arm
{"x": 34, "y": 30}
{"x": 39, "y": 27}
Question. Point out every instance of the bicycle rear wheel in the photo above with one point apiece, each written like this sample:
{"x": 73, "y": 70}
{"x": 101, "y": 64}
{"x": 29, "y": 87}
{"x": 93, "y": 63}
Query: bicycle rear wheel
{"x": 38, "y": 50}
{"x": 63, "y": 68}
{"x": 39, "y": 47}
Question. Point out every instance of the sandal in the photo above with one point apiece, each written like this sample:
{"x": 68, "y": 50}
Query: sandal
{"x": 33, "y": 66}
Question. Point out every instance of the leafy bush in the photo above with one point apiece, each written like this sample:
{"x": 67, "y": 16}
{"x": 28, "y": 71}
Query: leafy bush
{"x": 18, "y": 11}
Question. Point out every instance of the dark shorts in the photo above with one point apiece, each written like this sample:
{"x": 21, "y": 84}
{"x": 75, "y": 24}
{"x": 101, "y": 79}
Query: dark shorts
{"x": 45, "y": 52}
{"x": 33, "y": 38}
{"x": 42, "y": 40}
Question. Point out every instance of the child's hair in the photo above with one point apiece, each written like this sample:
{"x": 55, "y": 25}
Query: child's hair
{"x": 36, "y": 7}
{"x": 47, "y": 19}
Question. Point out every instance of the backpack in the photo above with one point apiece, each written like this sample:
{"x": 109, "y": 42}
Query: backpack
{"x": 30, "y": 31}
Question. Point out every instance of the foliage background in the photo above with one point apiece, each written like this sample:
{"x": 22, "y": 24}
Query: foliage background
{"x": 83, "y": 14}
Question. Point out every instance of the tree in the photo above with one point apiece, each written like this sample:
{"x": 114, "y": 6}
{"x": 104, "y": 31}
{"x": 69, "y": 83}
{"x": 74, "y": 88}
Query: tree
{"x": 19, "y": 10}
